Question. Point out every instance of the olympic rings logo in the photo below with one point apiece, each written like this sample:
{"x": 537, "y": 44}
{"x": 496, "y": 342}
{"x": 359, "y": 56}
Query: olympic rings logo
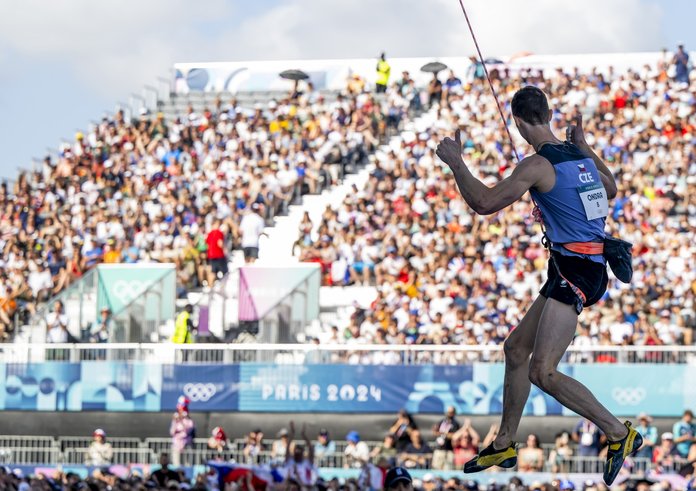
{"x": 126, "y": 291}
{"x": 200, "y": 392}
{"x": 628, "y": 396}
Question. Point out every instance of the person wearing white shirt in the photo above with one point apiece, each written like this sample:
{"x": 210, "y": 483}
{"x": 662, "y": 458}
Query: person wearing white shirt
{"x": 442, "y": 302}
{"x": 57, "y": 325}
{"x": 297, "y": 466}
{"x": 620, "y": 329}
{"x": 251, "y": 227}
{"x": 357, "y": 452}
{"x": 40, "y": 281}
{"x": 402, "y": 314}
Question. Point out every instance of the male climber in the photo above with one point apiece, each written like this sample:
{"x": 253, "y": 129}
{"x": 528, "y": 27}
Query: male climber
{"x": 571, "y": 187}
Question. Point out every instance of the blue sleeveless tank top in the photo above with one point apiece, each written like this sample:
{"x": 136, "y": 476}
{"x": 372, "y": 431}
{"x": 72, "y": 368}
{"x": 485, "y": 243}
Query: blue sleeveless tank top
{"x": 575, "y": 209}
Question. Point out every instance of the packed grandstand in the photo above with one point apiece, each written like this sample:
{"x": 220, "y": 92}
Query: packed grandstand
{"x": 199, "y": 187}
{"x": 152, "y": 190}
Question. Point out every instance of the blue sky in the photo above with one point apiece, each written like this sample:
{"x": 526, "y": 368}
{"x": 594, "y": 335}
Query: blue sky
{"x": 62, "y": 64}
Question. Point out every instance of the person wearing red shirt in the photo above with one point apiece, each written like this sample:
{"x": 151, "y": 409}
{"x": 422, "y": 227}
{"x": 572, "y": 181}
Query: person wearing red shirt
{"x": 216, "y": 252}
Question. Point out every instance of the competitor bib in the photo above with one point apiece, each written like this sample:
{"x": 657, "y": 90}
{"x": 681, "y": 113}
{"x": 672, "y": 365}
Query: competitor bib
{"x": 594, "y": 200}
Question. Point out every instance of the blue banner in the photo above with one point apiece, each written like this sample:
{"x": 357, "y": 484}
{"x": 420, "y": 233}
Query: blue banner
{"x": 208, "y": 387}
{"x": 471, "y": 389}
{"x": 626, "y": 389}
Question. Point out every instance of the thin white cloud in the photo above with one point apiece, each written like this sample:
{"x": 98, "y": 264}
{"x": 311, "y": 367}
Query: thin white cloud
{"x": 114, "y": 47}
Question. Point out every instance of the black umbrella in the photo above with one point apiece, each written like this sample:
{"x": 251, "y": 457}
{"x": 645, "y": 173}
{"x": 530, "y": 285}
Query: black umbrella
{"x": 433, "y": 67}
{"x": 294, "y": 75}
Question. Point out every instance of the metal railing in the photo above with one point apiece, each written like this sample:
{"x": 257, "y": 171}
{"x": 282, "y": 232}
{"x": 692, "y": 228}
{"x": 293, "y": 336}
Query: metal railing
{"x": 121, "y": 456}
{"x": 298, "y": 354}
{"x": 78, "y": 299}
{"x": 32, "y": 450}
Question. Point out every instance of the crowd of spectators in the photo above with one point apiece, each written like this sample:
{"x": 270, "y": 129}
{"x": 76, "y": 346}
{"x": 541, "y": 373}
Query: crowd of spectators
{"x": 443, "y": 446}
{"x": 453, "y": 440}
{"x": 186, "y": 191}
{"x": 447, "y": 276}
{"x": 191, "y": 190}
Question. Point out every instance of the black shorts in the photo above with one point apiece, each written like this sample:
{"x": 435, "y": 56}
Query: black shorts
{"x": 218, "y": 265}
{"x": 251, "y": 253}
{"x": 589, "y": 277}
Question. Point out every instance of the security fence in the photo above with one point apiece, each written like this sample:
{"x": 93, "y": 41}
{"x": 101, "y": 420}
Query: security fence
{"x": 31, "y": 450}
{"x": 297, "y": 354}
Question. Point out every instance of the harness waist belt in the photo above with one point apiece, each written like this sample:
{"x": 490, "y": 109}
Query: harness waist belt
{"x": 591, "y": 248}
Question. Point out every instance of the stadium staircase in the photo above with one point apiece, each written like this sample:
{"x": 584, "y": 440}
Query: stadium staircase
{"x": 336, "y": 303}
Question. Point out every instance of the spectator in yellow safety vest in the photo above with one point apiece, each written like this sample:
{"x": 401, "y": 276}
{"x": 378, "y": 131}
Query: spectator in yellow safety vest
{"x": 184, "y": 329}
{"x": 383, "y": 70}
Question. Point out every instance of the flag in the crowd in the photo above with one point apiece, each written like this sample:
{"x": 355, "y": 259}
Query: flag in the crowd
{"x": 261, "y": 476}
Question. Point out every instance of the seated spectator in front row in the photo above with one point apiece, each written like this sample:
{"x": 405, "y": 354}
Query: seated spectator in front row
{"x": 324, "y": 448}
{"x": 280, "y": 447}
{"x": 417, "y": 454}
{"x": 531, "y": 457}
{"x": 387, "y": 450}
{"x": 684, "y": 433}
{"x": 649, "y": 434}
{"x": 218, "y": 441}
{"x": 99, "y": 452}
{"x": 465, "y": 442}
{"x": 357, "y": 453}
{"x": 666, "y": 456}
{"x": 102, "y": 328}
{"x": 253, "y": 446}
{"x": 559, "y": 457}
{"x": 401, "y": 428}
